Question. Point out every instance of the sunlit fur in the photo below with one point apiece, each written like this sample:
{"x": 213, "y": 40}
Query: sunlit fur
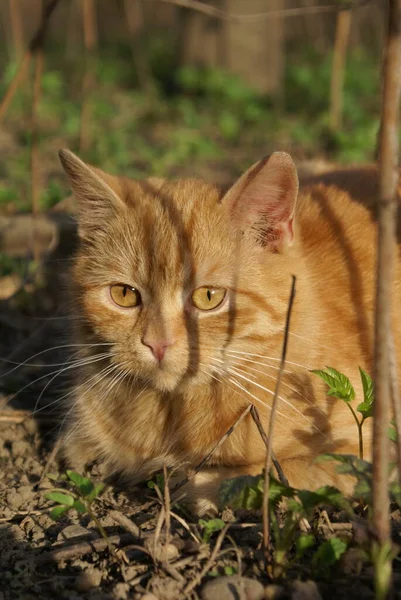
{"x": 168, "y": 238}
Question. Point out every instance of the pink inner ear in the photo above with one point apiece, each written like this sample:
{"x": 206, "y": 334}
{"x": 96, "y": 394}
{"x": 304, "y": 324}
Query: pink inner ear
{"x": 265, "y": 204}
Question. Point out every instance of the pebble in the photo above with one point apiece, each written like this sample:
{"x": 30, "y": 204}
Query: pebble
{"x": 233, "y": 588}
{"x": 20, "y": 448}
{"x": 305, "y": 590}
{"x": 274, "y": 592}
{"x": 121, "y": 591}
{"x": 88, "y": 580}
{"x": 74, "y": 531}
{"x": 161, "y": 553}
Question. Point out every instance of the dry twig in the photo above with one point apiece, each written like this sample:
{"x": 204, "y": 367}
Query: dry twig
{"x": 217, "y": 13}
{"x": 204, "y": 462}
{"x": 343, "y": 29}
{"x": 35, "y": 43}
{"x": 387, "y": 204}
{"x": 258, "y": 422}
{"x": 90, "y": 40}
{"x": 70, "y": 551}
{"x": 197, "y": 580}
{"x": 265, "y": 505}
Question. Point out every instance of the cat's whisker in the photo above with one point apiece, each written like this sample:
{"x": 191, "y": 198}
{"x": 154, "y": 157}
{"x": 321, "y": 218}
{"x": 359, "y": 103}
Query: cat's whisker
{"x": 283, "y": 383}
{"x": 26, "y": 362}
{"x": 238, "y": 374}
{"x": 83, "y": 362}
{"x": 288, "y": 362}
{"x": 98, "y": 377}
{"x": 242, "y": 360}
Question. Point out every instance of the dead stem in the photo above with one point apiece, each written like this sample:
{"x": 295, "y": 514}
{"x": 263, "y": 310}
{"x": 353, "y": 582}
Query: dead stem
{"x": 35, "y": 43}
{"x": 203, "y": 462}
{"x": 265, "y": 505}
{"x": 386, "y": 247}
{"x": 258, "y": 422}
{"x": 35, "y": 185}
{"x": 396, "y": 402}
{"x": 198, "y": 578}
{"x": 90, "y": 40}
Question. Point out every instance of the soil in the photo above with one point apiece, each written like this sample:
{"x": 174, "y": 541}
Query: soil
{"x": 68, "y": 558}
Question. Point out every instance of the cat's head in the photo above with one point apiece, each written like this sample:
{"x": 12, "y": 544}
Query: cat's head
{"x": 178, "y": 276}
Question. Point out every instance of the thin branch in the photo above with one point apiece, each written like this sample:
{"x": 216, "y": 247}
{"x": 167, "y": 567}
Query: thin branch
{"x": 16, "y": 27}
{"x": 204, "y": 461}
{"x": 90, "y": 40}
{"x": 265, "y": 506}
{"x": 396, "y": 401}
{"x": 387, "y": 205}
{"x": 70, "y": 551}
{"x": 258, "y": 423}
{"x": 217, "y": 13}
{"x": 35, "y": 43}
{"x": 343, "y": 29}
{"x": 35, "y": 184}
{"x": 198, "y": 578}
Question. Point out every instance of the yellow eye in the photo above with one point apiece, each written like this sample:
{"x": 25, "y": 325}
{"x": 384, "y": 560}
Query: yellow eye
{"x": 207, "y": 298}
{"x": 125, "y": 296}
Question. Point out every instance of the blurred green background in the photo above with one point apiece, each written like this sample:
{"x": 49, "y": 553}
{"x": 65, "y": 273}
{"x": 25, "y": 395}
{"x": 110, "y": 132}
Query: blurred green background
{"x": 140, "y": 88}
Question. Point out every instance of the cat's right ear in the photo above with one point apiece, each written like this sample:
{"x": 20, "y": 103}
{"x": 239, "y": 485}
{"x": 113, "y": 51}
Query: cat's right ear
{"x": 97, "y": 193}
{"x": 262, "y": 201}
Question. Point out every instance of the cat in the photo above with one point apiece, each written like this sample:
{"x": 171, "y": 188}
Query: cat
{"x": 180, "y": 292}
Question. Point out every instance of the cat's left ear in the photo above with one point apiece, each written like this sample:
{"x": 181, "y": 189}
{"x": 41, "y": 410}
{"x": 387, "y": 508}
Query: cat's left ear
{"x": 262, "y": 201}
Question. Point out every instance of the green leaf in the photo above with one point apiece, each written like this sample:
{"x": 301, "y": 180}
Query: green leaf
{"x": 84, "y": 484}
{"x": 339, "y": 384}
{"x": 241, "y": 492}
{"x": 210, "y": 526}
{"x": 392, "y": 433}
{"x": 58, "y": 511}
{"x": 230, "y": 570}
{"x": 80, "y": 507}
{"x": 348, "y": 463}
{"x": 366, "y": 407}
{"x": 303, "y": 543}
{"x": 324, "y": 495}
{"x": 328, "y": 553}
{"x": 60, "y": 498}
{"x": 95, "y": 493}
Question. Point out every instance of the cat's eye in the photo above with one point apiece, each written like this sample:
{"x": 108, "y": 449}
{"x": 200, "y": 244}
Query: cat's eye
{"x": 207, "y": 298}
{"x": 125, "y": 295}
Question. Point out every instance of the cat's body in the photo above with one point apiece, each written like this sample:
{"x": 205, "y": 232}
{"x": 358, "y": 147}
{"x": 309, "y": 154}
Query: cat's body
{"x": 178, "y": 377}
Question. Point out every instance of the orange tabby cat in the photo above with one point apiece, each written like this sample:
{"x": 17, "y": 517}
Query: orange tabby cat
{"x": 181, "y": 293}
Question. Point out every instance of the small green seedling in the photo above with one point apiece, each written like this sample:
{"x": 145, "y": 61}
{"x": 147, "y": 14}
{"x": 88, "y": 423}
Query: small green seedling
{"x": 209, "y": 527}
{"x": 341, "y": 387}
{"x": 80, "y": 497}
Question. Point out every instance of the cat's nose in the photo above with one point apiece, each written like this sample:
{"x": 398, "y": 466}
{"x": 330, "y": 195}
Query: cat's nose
{"x": 158, "y": 348}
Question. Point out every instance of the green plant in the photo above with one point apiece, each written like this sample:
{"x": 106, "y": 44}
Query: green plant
{"x": 79, "y": 496}
{"x": 209, "y": 527}
{"x": 341, "y": 387}
{"x": 246, "y": 492}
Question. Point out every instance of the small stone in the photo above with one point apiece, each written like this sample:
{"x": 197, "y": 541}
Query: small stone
{"x": 233, "y": 588}
{"x": 74, "y": 531}
{"x": 274, "y": 592}
{"x": 88, "y": 580}
{"x": 121, "y": 591}
{"x": 305, "y": 590}
{"x": 148, "y": 596}
{"x": 21, "y": 448}
{"x": 162, "y": 553}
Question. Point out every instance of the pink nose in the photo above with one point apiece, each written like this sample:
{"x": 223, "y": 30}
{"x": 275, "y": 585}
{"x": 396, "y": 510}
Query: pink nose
{"x": 158, "y": 348}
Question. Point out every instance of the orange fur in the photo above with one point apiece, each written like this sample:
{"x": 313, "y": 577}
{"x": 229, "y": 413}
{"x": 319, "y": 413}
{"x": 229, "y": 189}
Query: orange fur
{"x": 168, "y": 238}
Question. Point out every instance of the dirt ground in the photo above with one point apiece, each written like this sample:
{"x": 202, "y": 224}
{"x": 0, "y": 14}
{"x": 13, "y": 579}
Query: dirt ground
{"x": 154, "y": 556}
